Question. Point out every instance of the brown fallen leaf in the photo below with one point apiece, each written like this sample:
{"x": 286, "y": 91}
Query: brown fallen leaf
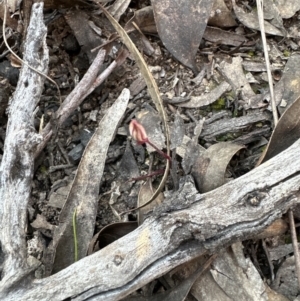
{"x": 118, "y": 8}
{"x": 145, "y": 193}
{"x": 83, "y": 195}
{"x": 109, "y": 234}
{"x": 87, "y": 38}
{"x": 180, "y": 26}
{"x": 287, "y": 90}
{"x": 250, "y": 20}
{"x": 144, "y": 19}
{"x": 285, "y": 134}
{"x": 210, "y": 166}
{"x": 220, "y": 15}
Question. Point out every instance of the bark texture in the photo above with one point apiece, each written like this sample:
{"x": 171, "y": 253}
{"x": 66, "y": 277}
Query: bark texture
{"x": 185, "y": 226}
{"x": 16, "y": 168}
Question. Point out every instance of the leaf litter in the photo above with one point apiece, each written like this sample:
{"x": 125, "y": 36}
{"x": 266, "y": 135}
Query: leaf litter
{"x": 230, "y": 107}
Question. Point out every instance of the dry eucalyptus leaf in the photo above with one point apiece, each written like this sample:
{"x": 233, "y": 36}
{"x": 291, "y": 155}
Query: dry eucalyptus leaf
{"x": 271, "y": 13}
{"x": 128, "y": 167}
{"x": 87, "y": 38}
{"x": 58, "y": 197}
{"x": 83, "y": 195}
{"x": 183, "y": 148}
{"x": 180, "y": 25}
{"x": 109, "y": 234}
{"x": 250, "y": 20}
{"x": 209, "y": 168}
{"x": 285, "y": 134}
{"x": 288, "y": 8}
{"x": 287, "y": 90}
{"x": 208, "y": 98}
{"x": 144, "y": 19}
{"x": 234, "y": 74}
{"x": 118, "y": 8}
{"x": 151, "y": 122}
{"x": 220, "y": 15}
{"x": 145, "y": 193}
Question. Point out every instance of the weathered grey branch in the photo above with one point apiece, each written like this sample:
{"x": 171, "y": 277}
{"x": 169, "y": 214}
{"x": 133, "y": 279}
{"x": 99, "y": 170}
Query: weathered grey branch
{"x": 74, "y": 99}
{"x": 185, "y": 226}
{"x": 16, "y": 168}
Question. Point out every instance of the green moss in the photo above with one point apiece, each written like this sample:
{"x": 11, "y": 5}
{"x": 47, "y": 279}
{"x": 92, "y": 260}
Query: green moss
{"x": 43, "y": 169}
{"x": 251, "y": 53}
{"x": 227, "y": 137}
{"x": 219, "y": 104}
{"x": 286, "y": 53}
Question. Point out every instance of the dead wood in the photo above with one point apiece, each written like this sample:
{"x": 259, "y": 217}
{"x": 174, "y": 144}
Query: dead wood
{"x": 16, "y": 169}
{"x": 187, "y": 225}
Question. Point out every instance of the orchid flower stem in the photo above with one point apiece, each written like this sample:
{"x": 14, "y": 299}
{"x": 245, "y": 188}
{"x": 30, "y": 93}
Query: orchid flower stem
{"x": 154, "y": 173}
{"x": 158, "y": 150}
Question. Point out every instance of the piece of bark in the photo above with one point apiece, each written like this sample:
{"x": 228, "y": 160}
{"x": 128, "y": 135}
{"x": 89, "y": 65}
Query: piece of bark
{"x": 232, "y": 125}
{"x": 232, "y": 277}
{"x": 185, "y": 226}
{"x": 16, "y": 170}
{"x": 5, "y": 90}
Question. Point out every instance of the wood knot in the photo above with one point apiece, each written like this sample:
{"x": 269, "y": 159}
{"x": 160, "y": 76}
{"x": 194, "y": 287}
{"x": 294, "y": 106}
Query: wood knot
{"x": 254, "y": 198}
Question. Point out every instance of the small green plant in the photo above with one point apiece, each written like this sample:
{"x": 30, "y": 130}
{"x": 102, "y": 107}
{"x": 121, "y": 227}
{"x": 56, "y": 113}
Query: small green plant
{"x": 286, "y": 53}
{"x": 251, "y": 53}
{"x": 43, "y": 169}
{"x": 219, "y": 104}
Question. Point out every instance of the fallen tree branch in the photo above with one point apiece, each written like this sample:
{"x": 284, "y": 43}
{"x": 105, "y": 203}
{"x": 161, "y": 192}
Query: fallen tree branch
{"x": 16, "y": 170}
{"x": 185, "y": 226}
{"x": 90, "y": 81}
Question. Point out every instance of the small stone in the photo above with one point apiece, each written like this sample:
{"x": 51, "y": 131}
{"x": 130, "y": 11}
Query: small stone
{"x": 85, "y": 136}
{"x": 76, "y": 153}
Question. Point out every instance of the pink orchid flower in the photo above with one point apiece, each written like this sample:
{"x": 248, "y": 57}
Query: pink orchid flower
{"x": 138, "y": 133}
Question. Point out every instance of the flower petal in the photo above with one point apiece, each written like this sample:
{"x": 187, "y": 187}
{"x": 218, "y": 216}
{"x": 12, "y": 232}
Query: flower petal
{"x": 138, "y": 132}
